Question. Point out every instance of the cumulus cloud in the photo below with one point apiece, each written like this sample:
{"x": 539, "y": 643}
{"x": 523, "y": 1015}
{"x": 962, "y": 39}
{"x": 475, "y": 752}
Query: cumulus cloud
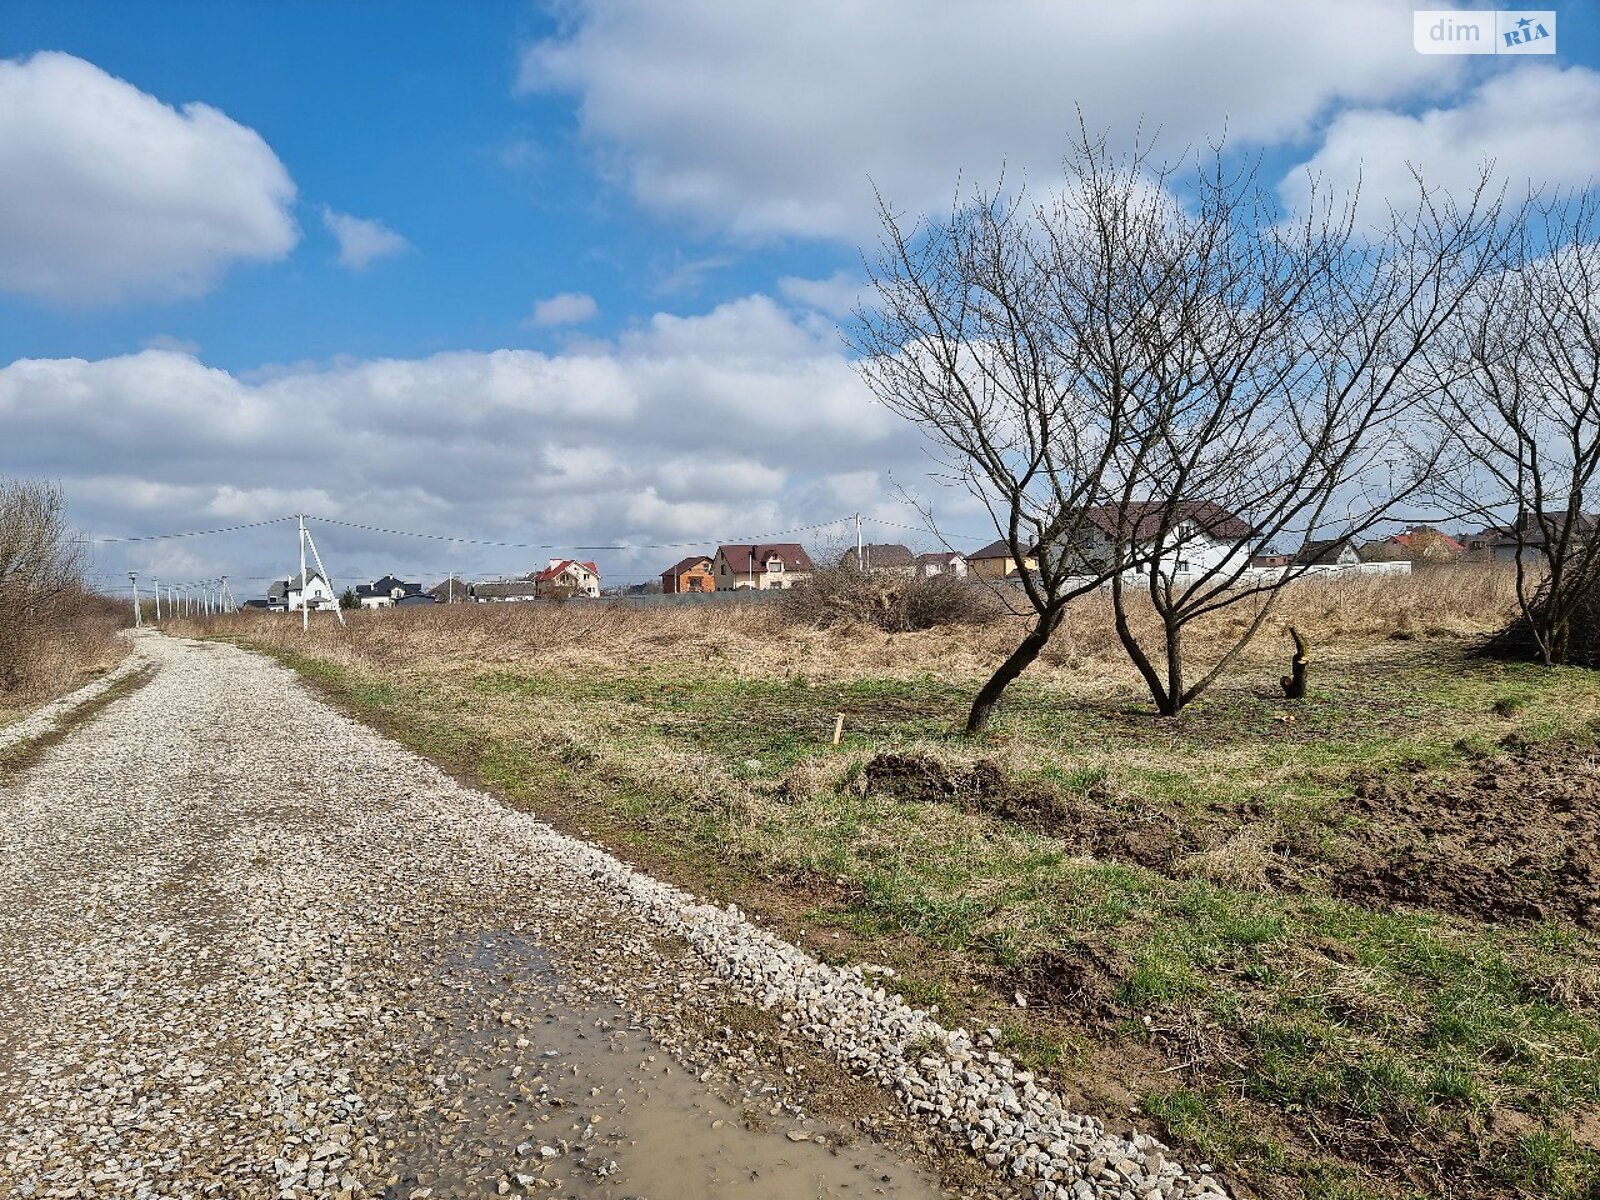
{"x": 110, "y": 193}
{"x": 742, "y": 420}
{"x": 564, "y": 308}
{"x": 769, "y": 119}
{"x": 362, "y": 241}
{"x": 1536, "y": 124}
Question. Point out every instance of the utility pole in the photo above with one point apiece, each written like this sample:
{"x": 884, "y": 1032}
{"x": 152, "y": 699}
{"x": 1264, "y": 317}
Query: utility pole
{"x": 229, "y": 604}
{"x": 452, "y": 598}
{"x": 861, "y": 554}
{"x": 338, "y": 609}
{"x": 305, "y": 613}
{"x": 155, "y": 586}
{"x": 138, "y": 617}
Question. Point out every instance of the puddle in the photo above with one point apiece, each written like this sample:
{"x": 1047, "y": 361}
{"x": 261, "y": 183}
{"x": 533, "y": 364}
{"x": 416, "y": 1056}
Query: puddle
{"x": 551, "y": 1098}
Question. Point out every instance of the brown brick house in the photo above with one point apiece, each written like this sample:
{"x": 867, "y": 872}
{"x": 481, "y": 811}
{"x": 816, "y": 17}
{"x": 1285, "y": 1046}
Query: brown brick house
{"x": 693, "y": 574}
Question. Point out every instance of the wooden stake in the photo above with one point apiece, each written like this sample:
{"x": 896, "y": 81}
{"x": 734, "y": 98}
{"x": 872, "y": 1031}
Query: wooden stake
{"x": 838, "y": 728}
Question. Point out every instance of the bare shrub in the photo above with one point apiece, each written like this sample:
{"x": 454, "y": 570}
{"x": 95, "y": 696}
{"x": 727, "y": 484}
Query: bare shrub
{"x": 894, "y": 603}
{"x": 50, "y": 628}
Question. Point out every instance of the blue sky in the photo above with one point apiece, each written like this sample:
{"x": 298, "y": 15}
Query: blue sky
{"x": 685, "y": 188}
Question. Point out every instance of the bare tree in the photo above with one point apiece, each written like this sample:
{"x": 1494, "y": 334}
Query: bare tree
{"x": 41, "y": 569}
{"x": 966, "y": 340}
{"x": 1519, "y": 373}
{"x": 1149, "y": 390}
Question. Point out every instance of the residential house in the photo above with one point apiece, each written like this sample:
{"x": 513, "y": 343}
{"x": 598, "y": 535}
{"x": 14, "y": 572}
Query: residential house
{"x": 1269, "y": 562}
{"x": 886, "y": 558}
{"x": 994, "y": 561}
{"x": 450, "y": 591}
{"x": 502, "y": 591}
{"x": 1499, "y": 543}
{"x": 1182, "y": 538}
{"x": 291, "y": 595}
{"x": 1419, "y": 544}
{"x": 943, "y": 563}
{"x": 1322, "y": 554}
{"x": 565, "y": 577}
{"x": 743, "y": 565}
{"x": 693, "y": 574}
{"x": 387, "y": 592}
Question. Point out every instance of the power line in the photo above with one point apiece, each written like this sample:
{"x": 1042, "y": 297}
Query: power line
{"x": 442, "y": 537}
{"x": 161, "y": 537}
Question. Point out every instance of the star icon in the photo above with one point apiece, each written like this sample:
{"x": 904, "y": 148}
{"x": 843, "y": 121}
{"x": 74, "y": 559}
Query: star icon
{"x": 1524, "y": 23}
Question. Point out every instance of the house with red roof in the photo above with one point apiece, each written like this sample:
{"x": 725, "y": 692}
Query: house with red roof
{"x": 763, "y": 567}
{"x": 565, "y": 577}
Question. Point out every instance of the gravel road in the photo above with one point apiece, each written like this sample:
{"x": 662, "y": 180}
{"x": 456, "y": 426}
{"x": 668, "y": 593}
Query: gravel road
{"x": 249, "y": 948}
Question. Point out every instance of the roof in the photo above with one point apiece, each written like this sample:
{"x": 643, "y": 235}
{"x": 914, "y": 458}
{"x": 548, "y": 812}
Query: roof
{"x": 740, "y": 555}
{"x": 999, "y": 548}
{"x": 501, "y": 589}
{"x": 942, "y": 558}
{"x": 554, "y": 570}
{"x": 1142, "y": 519}
{"x": 1322, "y": 552}
{"x": 884, "y": 554}
{"x": 1444, "y": 539}
{"x": 688, "y": 564}
{"x": 415, "y": 598}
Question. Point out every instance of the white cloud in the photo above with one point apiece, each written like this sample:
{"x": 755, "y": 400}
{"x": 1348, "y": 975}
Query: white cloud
{"x": 178, "y": 345}
{"x": 564, "y": 308}
{"x": 768, "y": 119}
{"x": 361, "y": 240}
{"x": 1537, "y": 124}
{"x": 110, "y": 194}
{"x": 740, "y": 421}
{"x": 838, "y": 295}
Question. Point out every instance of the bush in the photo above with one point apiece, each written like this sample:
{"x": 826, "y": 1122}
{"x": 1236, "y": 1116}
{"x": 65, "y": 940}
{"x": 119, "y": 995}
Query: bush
{"x": 1583, "y": 631}
{"x": 49, "y": 626}
{"x": 892, "y": 602}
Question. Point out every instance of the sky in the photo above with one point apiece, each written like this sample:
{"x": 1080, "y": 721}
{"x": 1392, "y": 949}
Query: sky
{"x": 573, "y": 274}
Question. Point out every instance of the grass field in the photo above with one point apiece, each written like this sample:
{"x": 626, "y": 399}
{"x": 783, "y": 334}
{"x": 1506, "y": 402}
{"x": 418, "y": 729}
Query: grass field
{"x": 1342, "y": 948}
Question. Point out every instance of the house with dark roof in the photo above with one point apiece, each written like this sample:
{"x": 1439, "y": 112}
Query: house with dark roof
{"x": 1335, "y": 552}
{"x": 1500, "y": 543}
{"x": 389, "y": 591}
{"x": 501, "y": 591}
{"x": 743, "y": 565}
{"x": 994, "y": 561}
{"x": 292, "y": 594}
{"x": 692, "y": 574}
{"x": 1176, "y": 538}
{"x": 881, "y": 557}
{"x": 564, "y": 577}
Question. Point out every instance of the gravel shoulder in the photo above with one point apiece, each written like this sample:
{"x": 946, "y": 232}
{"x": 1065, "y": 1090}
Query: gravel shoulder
{"x": 252, "y": 948}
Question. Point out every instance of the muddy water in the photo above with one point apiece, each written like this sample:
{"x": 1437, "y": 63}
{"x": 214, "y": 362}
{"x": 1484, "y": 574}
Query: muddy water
{"x": 539, "y": 1094}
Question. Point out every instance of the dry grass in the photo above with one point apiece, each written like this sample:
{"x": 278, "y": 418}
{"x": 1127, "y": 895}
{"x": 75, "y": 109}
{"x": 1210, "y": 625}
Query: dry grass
{"x": 765, "y": 640}
{"x": 53, "y": 656}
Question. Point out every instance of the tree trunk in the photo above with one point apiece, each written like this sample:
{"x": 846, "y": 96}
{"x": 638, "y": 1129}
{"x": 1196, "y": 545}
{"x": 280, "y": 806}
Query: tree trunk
{"x": 988, "y": 697}
{"x": 1136, "y": 652}
{"x": 1294, "y": 683}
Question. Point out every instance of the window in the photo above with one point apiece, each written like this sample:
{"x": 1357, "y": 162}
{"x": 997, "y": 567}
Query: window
{"x": 1183, "y": 566}
{"x": 774, "y": 566}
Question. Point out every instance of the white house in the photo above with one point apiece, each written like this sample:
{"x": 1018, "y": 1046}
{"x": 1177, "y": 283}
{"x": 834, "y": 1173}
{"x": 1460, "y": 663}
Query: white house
{"x": 567, "y": 577}
{"x": 1202, "y": 539}
{"x": 291, "y": 595}
{"x": 387, "y": 592}
{"x": 943, "y": 563}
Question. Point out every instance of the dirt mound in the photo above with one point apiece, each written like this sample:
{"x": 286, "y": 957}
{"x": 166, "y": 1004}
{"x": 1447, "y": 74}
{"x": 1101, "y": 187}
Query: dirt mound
{"x": 1516, "y": 839}
{"x": 1091, "y": 823}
